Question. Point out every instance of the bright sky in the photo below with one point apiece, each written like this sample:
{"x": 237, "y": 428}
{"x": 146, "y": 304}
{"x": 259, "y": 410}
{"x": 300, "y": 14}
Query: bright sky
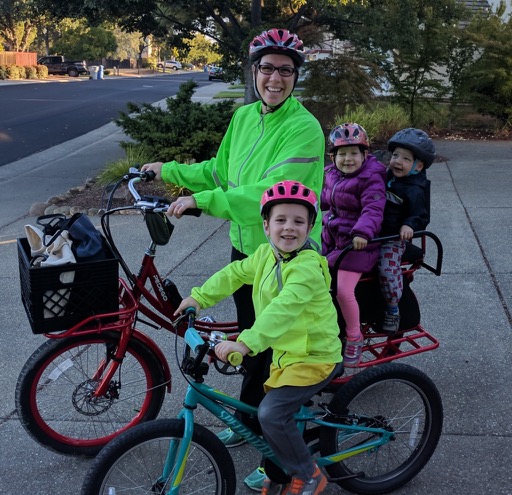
{"x": 495, "y": 3}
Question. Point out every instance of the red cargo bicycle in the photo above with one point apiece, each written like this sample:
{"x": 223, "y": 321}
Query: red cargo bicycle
{"x": 98, "y": 374}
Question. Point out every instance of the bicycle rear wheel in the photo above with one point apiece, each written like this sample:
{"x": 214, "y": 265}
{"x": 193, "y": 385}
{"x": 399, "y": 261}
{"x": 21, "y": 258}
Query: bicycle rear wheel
{"x": 394, "y": 396}
{"x": 135, "y": 462}
{"x": 54, "y": 393}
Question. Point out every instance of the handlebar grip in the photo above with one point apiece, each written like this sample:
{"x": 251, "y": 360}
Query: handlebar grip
{"x": 194, "y": 212}
{"x": 235, "y": 358}
{"x": 149, "y": 175}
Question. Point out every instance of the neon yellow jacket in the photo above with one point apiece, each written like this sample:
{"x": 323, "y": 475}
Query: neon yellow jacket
{"x": 299, "y": 322}
{"x": 256, "y": 152}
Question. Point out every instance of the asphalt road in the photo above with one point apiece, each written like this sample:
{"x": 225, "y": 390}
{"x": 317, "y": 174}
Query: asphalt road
{"x": 35, "y": 117}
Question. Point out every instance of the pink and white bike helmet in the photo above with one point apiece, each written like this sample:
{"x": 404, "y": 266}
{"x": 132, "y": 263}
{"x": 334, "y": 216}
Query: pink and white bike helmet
{"x": 348, "y": 134}
{"x": 289, "y": 191}
{"x": 279, "y": 41}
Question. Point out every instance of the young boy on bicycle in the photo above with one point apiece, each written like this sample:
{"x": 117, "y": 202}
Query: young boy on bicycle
{"x": 295, "y": 317}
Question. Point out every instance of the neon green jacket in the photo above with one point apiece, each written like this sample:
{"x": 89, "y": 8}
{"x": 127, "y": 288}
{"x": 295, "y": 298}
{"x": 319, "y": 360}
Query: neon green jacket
{"x": 256, "y": 152}
{"x": 299, "y": 322}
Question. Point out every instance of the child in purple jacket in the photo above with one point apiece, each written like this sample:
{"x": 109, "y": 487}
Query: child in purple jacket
{"x": 354, "y": 195}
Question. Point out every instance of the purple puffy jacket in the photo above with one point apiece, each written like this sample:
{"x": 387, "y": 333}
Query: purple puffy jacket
{"x": 355, "y": 204}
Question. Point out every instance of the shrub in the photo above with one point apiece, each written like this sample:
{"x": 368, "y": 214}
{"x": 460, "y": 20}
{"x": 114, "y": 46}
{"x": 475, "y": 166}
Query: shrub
{"x": 15, "y": 72}
{"x": 380, "y": 122}
{"x": 31, "y": 72}
{"x": 135, "y": 157}
{"x": 186, "y": 131}
{"x": 42, "y": 71}
{"x": 3, "y": 72}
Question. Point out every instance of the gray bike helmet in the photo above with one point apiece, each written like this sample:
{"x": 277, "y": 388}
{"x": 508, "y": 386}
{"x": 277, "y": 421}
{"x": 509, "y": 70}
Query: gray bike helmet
{"x": 417, "y": 141}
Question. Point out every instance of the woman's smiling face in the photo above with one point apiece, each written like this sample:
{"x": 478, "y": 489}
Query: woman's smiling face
{"x": 274, "y": 88}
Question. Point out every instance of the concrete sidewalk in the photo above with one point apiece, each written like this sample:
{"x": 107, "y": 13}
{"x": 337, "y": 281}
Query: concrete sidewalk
{"x": 468, "y": 309}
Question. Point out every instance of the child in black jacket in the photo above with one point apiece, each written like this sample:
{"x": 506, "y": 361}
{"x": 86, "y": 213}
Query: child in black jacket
{"x": 407, "y": 210}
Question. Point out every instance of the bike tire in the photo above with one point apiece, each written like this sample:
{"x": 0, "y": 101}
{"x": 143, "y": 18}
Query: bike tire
{"x": 395, "y": 396}
{"x": 134, "y": 462}
{"x": 53, "y": 393}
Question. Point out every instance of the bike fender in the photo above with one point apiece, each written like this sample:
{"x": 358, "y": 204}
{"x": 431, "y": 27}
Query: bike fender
{"x": 149, "y": 342}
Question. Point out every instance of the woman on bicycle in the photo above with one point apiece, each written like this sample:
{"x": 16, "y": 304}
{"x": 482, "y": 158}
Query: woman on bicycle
{"x": 268, "y": 141}
{"x": 295, "y": 317}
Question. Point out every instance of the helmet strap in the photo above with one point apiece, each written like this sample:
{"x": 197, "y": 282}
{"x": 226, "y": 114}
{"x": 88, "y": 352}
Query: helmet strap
{"x": 413, "y": 170}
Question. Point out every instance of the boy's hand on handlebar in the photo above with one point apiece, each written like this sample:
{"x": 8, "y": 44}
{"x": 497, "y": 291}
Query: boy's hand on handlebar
{"x": 154, "y": 167}
{"x": 406, "y": 233}
{"x": 187, "y": 303}
{"x": 222, "y": 349}
{"x": 180, "y": 205}
{"x": 359, "y": 243}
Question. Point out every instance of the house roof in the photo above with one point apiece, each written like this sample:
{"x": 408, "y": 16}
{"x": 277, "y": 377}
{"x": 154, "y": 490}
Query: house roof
{"x": 476, "y": 5}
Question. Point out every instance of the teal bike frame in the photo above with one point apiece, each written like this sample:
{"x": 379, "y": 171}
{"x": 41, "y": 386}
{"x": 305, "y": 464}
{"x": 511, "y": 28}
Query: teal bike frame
{"x": 214, "y": 400}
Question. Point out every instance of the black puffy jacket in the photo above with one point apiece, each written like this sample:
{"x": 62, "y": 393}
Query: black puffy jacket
{"x": 407, "y": 203}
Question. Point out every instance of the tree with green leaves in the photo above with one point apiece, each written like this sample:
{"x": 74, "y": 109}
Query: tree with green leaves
{"x": 410, "y": 40}
{"x": 84, "y": 42}
{"x": 201, "y": 51}
{"x": 487, "y": 80}
{"x": 18, "y": 21}
{"x": 230, "y": 23}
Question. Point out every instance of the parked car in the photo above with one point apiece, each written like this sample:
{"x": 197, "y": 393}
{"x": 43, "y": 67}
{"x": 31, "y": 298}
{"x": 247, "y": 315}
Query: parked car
{"x": 57, "y": 65}
{"x": 169, "y": 64}
{"x": 215, "y": 73}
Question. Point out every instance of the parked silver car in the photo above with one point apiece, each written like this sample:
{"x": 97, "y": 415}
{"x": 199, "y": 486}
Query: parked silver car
{"x": 169, "y": 64}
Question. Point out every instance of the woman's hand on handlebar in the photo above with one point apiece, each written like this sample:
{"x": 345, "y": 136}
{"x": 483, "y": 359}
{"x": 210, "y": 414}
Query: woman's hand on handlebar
{"x": 222, "y": 349}
{"x": 155, "y": 167}
{"x": 180, "y": 205}
{"x": 187, "y": 303}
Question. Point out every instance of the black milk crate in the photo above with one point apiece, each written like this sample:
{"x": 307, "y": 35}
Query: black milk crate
{"x": 53, "y": 305}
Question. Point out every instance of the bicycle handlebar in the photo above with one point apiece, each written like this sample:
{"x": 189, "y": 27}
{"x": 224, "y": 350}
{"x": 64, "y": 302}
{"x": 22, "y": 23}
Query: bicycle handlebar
{"x": 195, "y": 341}
{"x": 155, "y": 203}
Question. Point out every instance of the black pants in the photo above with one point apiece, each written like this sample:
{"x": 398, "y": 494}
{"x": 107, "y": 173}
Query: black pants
{"x": 257, "y": 367}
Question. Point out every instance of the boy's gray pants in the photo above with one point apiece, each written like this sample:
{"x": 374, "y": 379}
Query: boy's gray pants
{"x": 276, "y": 413}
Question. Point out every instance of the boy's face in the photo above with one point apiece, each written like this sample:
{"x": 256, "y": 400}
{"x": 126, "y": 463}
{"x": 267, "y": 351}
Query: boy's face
{"x": 348, "y": 159}
{"x": 401, "y": 162}
{"x": 288, "y": 226}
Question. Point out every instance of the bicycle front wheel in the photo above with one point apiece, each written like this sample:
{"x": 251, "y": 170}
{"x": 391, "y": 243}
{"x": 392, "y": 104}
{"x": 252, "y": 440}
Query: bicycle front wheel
{"x": 138, "y": 462}
{"x": 55, "y": 392}
{"x": 395, "y": 397}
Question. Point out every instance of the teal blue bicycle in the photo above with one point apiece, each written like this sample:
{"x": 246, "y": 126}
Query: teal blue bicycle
{"x": 374, "y": 435}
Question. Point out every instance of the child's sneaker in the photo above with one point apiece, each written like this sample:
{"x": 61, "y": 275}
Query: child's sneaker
{"x": 391, "y": 323}
{"x": 314, "y": 486}
{"x": 256, "y": 480}
{"x": 271, "y": 488}
{"x": 230, "y": 439}
{"x": 352, "y": 352}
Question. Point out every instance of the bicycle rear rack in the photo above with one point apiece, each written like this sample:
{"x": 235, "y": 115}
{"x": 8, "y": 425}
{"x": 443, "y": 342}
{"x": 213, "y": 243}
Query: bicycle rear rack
{"x": 380, "y": 348}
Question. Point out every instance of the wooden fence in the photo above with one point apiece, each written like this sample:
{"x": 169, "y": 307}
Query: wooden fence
{"x": 18, "y": 58}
